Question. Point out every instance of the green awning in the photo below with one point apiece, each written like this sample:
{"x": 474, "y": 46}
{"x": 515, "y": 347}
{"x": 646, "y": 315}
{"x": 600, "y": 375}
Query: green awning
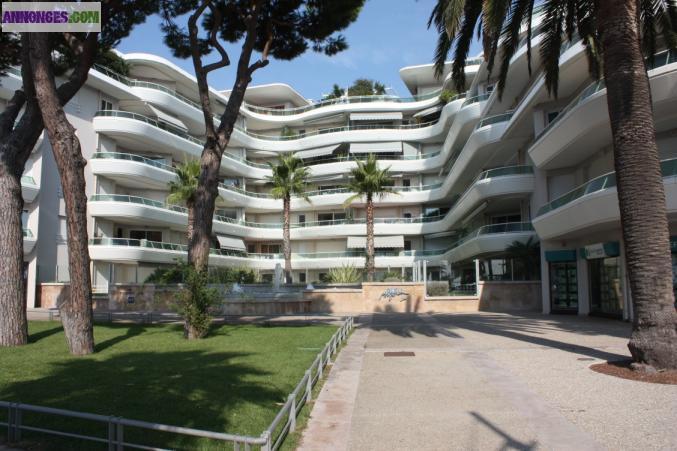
{"x": 564, "y": 255}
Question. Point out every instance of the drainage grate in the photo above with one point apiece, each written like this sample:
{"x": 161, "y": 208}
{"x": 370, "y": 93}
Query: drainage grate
{"x": 399, "y": 354}
{"x": 585, "y": 358}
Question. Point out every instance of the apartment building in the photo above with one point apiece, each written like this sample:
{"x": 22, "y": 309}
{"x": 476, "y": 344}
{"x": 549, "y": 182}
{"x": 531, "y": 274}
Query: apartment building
{"x": 472, "y": 175}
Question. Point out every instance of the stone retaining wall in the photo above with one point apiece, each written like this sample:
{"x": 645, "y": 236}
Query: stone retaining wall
{"x": 410, "y": 298}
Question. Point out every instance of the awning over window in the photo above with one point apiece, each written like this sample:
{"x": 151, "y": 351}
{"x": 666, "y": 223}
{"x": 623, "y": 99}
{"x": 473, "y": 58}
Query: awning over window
{"x": 164, "y": 117}
{"x": 360, "y": 242}
{"x": 428, "y": 111}
{"x": 564, "y": 255}
{"x": 227, "y": 242}
{"x": 319, "y": 152}
{"x": 392, "y": 116}
{"x": 382, "y": 147}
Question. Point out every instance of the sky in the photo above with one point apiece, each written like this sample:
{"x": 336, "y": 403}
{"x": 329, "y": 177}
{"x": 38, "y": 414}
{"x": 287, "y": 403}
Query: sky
{"x": 388, "y": 35}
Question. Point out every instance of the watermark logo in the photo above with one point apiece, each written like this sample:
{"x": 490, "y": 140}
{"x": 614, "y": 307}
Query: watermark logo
{"x": 51, "y": 16}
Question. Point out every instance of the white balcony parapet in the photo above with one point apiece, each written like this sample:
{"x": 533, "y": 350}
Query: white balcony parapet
{"x": 29, "y": 189}
{"x": 486, "y": 239}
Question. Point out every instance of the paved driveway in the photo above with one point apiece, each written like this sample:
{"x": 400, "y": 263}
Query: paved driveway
{"x": 488, "y": 381}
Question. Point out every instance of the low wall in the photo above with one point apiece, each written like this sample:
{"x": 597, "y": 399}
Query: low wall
{"x": 409, "y": 298}
{"x": 510, "y": 296}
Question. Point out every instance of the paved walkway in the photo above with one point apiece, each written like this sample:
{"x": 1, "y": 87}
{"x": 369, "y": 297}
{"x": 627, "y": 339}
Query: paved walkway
{"x": 487, "y": 381}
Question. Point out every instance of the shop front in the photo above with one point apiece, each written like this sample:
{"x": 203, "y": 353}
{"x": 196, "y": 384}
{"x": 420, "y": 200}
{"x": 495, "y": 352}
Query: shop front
{"x": 563, "y": 277}
{"x": 605, "y": 279}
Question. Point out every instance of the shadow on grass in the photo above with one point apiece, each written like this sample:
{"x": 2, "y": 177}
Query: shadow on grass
{"x": 132, "y": 331}
{"x": 37, "y": 336}
{"x": 192, "y": 388}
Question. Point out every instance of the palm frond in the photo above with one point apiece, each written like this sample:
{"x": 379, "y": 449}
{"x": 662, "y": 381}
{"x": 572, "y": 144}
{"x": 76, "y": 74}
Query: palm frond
{"x": 516, "y": 17}
{"x": 552, "y": 43}
{"x": 471, "y": 14}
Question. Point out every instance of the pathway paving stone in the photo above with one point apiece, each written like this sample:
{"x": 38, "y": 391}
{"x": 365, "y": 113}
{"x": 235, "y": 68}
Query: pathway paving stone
{"x": 488, "y": 381}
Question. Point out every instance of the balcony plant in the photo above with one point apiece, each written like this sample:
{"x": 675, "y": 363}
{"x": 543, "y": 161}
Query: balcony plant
{"x": 344, "y": 274}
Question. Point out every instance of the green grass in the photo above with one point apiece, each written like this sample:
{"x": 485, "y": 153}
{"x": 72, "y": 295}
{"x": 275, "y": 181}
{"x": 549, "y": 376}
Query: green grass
{"x": 233, "y": 381}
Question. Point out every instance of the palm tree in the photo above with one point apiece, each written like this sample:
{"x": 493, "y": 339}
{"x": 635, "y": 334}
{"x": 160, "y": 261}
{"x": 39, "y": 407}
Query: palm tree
{"x": 290, "y": 178}
{"x": 369, "y": 181}
{"x": 616, "y": 35}
{"x": 527, "y": 253}
{"x": 182, "y": 190}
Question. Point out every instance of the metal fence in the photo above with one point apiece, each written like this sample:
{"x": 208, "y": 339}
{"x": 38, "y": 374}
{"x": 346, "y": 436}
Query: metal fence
{"x": 269, "y": 440}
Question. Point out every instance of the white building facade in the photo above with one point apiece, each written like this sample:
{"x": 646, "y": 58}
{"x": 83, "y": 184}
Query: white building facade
{"x": 473, "y": 175}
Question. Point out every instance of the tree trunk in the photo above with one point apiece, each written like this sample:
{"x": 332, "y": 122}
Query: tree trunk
{"x": 76, "y": 311}
{"x": 370, "y": 239}
{"x": 191, "y": 221}
{"x": 202, "y": 208}
{"x": 641, "y": 193}
{"x": 287, "y": 241}
{"x": 13, "y": 323}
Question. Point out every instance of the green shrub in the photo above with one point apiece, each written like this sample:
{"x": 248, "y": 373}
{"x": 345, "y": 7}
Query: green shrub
{"x": 437, "y": 288}
{"x": 344, "y": 274}
{"x": 447, "y": 95}
{"x": 221, "y": 275}
{"x": 287, "y": 132}
{"x": 391, "y": 276}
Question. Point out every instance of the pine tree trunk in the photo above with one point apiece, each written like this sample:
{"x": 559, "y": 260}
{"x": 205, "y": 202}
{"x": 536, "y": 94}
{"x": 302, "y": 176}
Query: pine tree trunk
{"x": 202, "y": 208}
{"x": 287, "y": 241}
{"x": 13, "y": 323}
{"x": 76, "y": 311}
{"x": 641, "y": 194}
{"x": 370, "y": 239}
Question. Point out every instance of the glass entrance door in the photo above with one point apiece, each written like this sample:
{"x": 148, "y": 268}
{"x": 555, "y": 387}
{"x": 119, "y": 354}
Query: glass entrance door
{"x": 563, "y": 287}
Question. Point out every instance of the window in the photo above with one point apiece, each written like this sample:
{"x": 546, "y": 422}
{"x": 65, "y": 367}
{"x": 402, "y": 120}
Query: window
{"x": 270, "y": 248}
{"x": 302, "y": 277}
{"x": 407, "y": 215}
{"x": 326, "y": 218}
{"x": 406, "y": 182}
{"x": 106, "y": 104}
{"x": 407, "y": 245}
{"x": 150, "y": 235}
{"x": 551, "y": 116}
{"x": 302, "y": 219}
{"x": 24, "y": 218}
{"x": 251, "y": 248}
{"x": 506, "y": 218}
{"x": 490, "y": 89}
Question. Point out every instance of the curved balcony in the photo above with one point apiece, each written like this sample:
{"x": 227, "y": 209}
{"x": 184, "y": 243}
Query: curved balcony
{"x": 29, "y": 241}
{"x": 133, "y": 170}
{"x": 29, "y": 189}
{"x": 485, "y": 240}
{"x": 128, "y": 250}
{"x": 500, "y": 182}
{"x": 587, "y": 114}
{"x": 593, "y": 206}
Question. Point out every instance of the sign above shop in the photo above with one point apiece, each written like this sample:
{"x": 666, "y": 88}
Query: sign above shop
{"x": 602, "y": 250}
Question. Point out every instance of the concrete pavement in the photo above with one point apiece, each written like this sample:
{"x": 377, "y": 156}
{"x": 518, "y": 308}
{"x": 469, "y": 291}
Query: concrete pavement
{"x": 488, "y": 381}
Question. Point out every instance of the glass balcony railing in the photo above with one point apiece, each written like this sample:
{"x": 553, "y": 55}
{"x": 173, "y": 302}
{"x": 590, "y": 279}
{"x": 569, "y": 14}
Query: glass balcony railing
{"x": 503, "y": 117}
{"x": 485, "y": 230}
{"x": 155, "y": 123}
{"x": 27, "y": 233}
{"x": 660, "y": 59}
{"x": 132, "y": 157}
{"x": 263, "y": 110}
{"x": 475, "y": 99}
{"x": 28, "y": 180}
{"x": 506, "y": 170}
{"x": 137, "y": 200}
{"x": 601, "y": 183}
{"x": 185, "y": 135}
{"x": 492, "y": 229}
{"x": 398, "y": 189}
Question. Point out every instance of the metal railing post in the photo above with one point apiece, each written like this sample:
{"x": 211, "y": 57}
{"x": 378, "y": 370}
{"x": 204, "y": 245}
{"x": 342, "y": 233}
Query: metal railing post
{"x": 119, "y": 435}
{"x": 17, "y": 423}
{"x": 268, "y": 445}
{"x": 111, "y": 433}
{"x": 292, "y": 413}
{"x": 320, "y": 365}
{"x": 10, "y": 422}
{"x": 309, "y": 385}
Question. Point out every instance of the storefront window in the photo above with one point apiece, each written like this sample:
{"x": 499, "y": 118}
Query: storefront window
{"x": 606, "y": 294}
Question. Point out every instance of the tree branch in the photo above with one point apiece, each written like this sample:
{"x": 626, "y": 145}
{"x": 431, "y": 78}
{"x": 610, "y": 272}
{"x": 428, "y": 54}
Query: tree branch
{"x": 213, "y": 39}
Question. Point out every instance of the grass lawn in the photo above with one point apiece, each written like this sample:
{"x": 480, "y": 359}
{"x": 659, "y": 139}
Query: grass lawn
{"x": 233, "y": 381}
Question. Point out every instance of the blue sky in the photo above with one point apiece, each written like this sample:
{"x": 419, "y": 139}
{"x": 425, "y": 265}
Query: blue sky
{"x": 388, "y": 35}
